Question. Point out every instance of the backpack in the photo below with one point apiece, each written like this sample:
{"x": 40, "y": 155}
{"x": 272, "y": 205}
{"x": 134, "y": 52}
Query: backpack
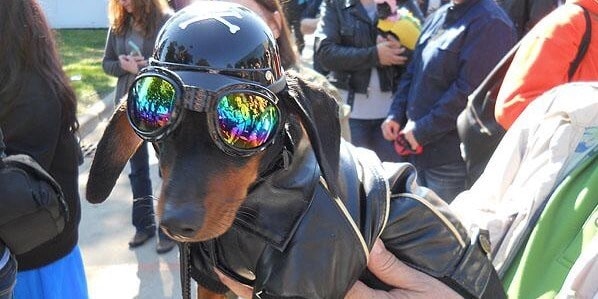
{"x": 32, "y": 205}
{"x": 478, "y": 130}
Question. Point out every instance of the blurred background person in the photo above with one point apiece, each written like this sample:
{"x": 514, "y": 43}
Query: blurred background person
{"x": 545, "y": 57}
{"x": 270, "y": 11}
{"x": 309, "y": 22}
{"x": 459, "y": 44}
{"x": 134, "y": 25}
{"x": 293, "y": 10}
{"x": 38, "y": 118}
{"x": 363, "y": 66}
{"x": 525, "y": 14}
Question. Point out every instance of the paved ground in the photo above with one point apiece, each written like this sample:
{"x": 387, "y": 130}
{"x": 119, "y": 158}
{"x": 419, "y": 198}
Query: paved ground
{"x": 113, "y": 270}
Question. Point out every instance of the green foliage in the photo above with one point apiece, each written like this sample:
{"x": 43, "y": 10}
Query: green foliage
{"x": 81, "y": 51}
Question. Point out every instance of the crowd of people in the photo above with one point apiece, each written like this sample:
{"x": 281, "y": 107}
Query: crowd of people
{"x": 400, "y": 103}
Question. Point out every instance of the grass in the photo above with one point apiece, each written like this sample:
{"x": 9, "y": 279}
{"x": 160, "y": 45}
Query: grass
{"x": 81, "y": 51}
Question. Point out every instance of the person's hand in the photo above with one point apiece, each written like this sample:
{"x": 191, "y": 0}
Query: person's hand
{"x": 408, "y": 282}
{"x": 408, "y": 131}
{"x": 141, "y": 62}
{"x": 390, "y": 129}
{"x": 309, "y": 25}
{"x": 389, "y": 51}
{"x": 128, "y": 64}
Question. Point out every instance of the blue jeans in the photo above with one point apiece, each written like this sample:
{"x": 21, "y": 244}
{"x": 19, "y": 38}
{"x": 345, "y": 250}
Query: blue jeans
{"x": 367, "y": 133}
{"x": 8, "y": 275}
{"x": 447, "y": 180}
{"x": 141, "y": 186}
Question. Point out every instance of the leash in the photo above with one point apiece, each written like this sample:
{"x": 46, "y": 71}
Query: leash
{"x": 185, "y": 269}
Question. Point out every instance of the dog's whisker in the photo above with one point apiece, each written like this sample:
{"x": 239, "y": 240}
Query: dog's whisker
{"x": 247, "y": 208}
{"x": 247, "y": 214}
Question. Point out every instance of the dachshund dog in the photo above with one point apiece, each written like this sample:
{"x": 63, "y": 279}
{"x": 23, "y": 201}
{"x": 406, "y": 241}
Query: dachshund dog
{"x": 296, "y": 218}
{"x": 203, "y": 189}
{"x": 212, "y": 200}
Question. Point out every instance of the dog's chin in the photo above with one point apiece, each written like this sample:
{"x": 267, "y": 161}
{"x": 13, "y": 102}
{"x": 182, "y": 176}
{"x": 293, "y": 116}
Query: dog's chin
{"x": 201, "y": 236}
{"x": 205, "y": 233}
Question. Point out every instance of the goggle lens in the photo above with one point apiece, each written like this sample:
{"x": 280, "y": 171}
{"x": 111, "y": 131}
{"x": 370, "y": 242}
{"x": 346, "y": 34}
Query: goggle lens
{"x": 151, "y": 103}
{"x": 246, "y": 120}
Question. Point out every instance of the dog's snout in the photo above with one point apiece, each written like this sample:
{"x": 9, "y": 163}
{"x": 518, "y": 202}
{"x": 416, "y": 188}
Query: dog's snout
{"x": 181, "y": 222}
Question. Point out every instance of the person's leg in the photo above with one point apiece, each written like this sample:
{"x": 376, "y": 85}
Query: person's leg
{"x": 143, "y": 201}
{"x": 367, "y": 133}
{"x": 359, "y": 132}
{"x": 446, "y": 180}
{"x": 8, "y": 273}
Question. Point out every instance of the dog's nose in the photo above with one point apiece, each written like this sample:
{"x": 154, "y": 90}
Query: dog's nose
{"x": 181, "y": 222}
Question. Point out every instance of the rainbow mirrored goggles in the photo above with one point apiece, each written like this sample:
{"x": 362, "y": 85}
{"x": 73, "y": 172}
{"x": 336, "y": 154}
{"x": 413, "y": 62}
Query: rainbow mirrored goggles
{"x": 243, "y": 118}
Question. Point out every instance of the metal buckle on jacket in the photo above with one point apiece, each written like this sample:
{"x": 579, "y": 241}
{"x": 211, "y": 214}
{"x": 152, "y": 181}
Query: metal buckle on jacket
{"x": 482, "y": 238}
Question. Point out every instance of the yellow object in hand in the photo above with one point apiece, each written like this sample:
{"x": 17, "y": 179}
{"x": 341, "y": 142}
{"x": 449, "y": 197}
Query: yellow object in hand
{"x": 406, "y": 28}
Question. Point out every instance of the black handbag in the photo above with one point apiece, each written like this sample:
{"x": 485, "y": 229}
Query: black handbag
{"x": 478, "y": 130}
{"x": 32, "y": 205}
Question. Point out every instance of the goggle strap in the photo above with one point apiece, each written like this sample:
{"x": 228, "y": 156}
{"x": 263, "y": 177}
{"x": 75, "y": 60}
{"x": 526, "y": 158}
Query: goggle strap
{"x": 279, "y": 85}
{"x": 195, "y": 99}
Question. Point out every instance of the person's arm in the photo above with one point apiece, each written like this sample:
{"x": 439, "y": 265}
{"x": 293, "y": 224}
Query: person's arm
{"x": 110, "y": 61}
{"x": 397, "y": 118}
{"x": 541, "y": 63}
{"x": 484, "y": 45}
{"x": 331, "y": 53}
{"x": 8, "y": 271}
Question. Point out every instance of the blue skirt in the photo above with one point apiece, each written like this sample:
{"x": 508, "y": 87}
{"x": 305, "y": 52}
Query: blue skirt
{"x": 62, "y": 279}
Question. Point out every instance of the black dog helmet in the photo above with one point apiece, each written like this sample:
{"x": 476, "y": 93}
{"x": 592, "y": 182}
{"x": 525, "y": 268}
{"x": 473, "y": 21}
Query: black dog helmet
{"x": 219, "y": 38}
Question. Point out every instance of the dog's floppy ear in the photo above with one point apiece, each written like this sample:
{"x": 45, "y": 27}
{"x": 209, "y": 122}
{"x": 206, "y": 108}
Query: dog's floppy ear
{"x": 319, "y": 113}
{"x": 118, "y": 143}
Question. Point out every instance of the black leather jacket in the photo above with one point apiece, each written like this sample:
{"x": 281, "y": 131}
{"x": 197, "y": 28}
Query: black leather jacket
{"x": 289, "y": 228}
{"x": 346, "y": 45}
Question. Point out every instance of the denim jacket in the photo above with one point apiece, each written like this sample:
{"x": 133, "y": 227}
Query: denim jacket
{"x": 457, "y": 48}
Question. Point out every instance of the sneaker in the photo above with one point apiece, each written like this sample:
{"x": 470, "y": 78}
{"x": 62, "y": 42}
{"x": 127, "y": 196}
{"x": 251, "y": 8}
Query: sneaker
{"x": 165, "y": 245}
{"x": 140, "y": 238}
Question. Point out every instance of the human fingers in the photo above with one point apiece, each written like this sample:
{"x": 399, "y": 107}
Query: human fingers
{"x": 408, "y": 282}
{"x": 236, "y": 287}
{"x": 386, "y": 267}
{"x": 361, "y": 291}
{"x": 397, "y": 59}
{"x": 390, "y": 129}
{"x": 384, "y": 53}
{"x": 380, "y": 39}
{"x": 411, "y": 139}
{"x": 400, "y": 60}
{"x": 141, "y": 63}
{"x": 394, "y": 42}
